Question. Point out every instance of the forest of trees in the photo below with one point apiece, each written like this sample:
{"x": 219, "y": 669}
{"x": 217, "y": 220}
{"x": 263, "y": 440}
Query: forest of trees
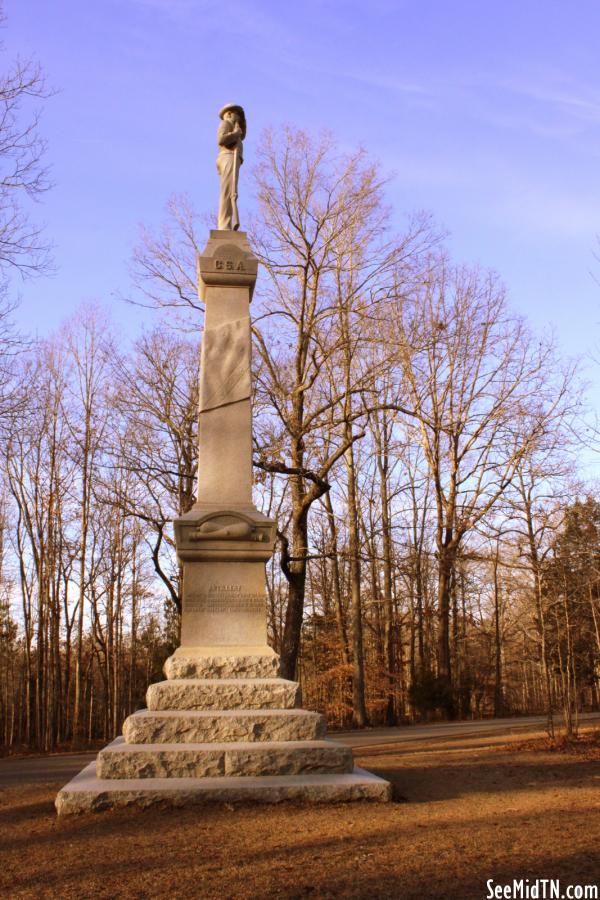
{"x": 437, "y": 554}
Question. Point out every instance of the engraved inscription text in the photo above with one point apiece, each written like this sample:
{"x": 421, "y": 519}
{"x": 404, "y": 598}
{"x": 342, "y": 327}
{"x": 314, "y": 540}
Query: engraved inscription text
{"x": 229, "y": 265}
{"x": 224, "y": 599}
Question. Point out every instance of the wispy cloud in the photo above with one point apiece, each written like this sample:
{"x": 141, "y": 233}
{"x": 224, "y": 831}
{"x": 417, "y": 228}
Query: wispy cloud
{"x": 549, "y": 209}
{"x": 175, "y": 8}
{"x": 388, "y": 82}
{"x": 229, "y": 18}
{"x": 547, "y": 103}
{"x": 579, "y": 101}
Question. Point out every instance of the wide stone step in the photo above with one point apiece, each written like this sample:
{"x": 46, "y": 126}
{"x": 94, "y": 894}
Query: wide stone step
{"x": 121, "y": 760}
{"x": 88, "y": 793}
{"x": 222, "y": 666}
{"x": 223, "y": 693}
{"x": 169, "y": 726}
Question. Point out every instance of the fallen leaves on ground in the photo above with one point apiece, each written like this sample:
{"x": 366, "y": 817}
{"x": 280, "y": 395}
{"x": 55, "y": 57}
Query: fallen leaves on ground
{"x": 466, "y": 815}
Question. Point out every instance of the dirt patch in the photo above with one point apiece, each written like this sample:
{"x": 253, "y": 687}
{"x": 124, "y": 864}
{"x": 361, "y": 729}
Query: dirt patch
{"x": 462, "y": 816}
{"x": 586, "y": 745}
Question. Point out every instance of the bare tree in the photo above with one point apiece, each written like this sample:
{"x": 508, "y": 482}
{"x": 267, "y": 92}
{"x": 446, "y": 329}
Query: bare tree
{"x": 86, "y": 411}
{"x": 23, "y": 173}
{"x": 164, "y": 264}
{"x": 479, "y": 386}
{"x": 40, "y": 474}
{"x": 156, "y": 393}
{"x": 23, "y": 179}
{"x": 319, "y": 239}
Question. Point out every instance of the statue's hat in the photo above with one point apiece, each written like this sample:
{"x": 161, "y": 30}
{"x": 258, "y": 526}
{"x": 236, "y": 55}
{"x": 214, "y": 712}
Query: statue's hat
{"x": 234, "y": 107}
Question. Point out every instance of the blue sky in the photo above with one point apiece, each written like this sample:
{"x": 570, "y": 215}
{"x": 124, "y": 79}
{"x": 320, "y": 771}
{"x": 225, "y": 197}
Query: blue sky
{"x": 487, "y": 113}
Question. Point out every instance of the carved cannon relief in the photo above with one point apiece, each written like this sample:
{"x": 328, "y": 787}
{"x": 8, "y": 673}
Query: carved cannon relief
{"x": 229, "y": 528}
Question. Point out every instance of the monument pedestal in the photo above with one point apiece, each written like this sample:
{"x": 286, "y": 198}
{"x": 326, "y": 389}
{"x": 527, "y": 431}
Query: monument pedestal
{"x": 210, "y": 739}
{"x": 223, "y": 726}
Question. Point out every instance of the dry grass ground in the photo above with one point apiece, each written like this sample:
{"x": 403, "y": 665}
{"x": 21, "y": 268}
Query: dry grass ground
{"x": 464, "y": 812}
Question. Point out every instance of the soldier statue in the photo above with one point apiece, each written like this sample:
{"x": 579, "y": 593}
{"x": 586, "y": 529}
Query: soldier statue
{"x": 230, "y": 135}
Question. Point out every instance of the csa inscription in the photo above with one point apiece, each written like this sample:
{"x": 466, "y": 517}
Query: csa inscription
{"x": 229, "y": 265}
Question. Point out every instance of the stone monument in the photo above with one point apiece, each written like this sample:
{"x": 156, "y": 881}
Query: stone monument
{"x": 223, "y": 726}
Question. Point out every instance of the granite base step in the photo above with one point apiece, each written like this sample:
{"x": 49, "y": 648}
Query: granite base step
{"x": 223, "y": 693}
{"x": 234, "y": 666}
{"x": 121, "y": 760}
{"x": 169, "y": 726}
{"x": 88, "y": 793}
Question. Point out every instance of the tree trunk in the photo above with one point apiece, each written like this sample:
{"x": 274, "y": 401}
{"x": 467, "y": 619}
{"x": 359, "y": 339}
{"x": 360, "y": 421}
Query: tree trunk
{"x": 359, "y": 708}
{"x": 294, "y": 568}
{"x": 445, "y": 571}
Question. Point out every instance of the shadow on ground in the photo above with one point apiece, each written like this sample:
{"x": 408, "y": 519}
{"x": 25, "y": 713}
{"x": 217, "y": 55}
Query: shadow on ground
{"x": 471, "y": 815}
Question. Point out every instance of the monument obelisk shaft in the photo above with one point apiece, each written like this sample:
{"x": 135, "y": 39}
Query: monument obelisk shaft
{"x": 225, "y": 424}
{"x": 224, "y": 542}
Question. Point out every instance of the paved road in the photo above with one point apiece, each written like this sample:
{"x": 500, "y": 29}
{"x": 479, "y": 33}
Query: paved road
{"x": 447, "y": 731}
{"x": 62, "y": 766}
{"x": 36, "y": 769}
